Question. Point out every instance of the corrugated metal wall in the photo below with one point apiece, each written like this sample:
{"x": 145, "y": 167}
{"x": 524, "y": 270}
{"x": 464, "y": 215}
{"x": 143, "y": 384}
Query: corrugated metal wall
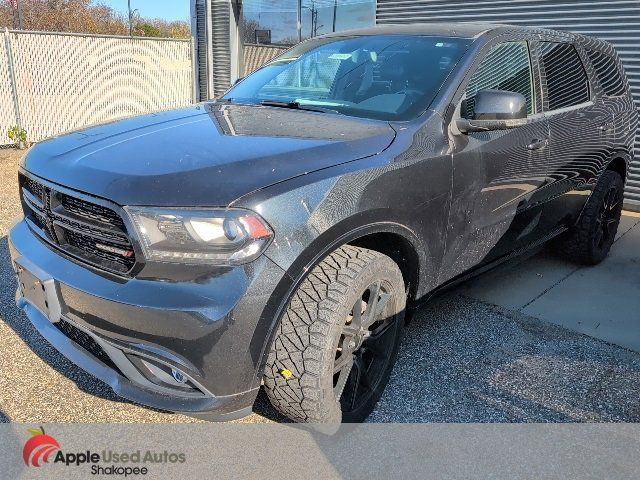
{"x": 211, "y": 23}
{"x": 616, "y": 21}
{"x": 220, "y": 45}
{"x": 199, "y": 27}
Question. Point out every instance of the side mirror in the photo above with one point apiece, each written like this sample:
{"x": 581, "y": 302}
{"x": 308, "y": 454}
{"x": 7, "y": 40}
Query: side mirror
{"x": 495, "y": 110}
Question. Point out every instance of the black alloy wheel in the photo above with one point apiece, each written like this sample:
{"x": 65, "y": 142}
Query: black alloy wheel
{"x": 608, "y": 217}
{"x": 338, "y": 338}
{"x": 365, "y": 348}
{"x": 590, "y": 240}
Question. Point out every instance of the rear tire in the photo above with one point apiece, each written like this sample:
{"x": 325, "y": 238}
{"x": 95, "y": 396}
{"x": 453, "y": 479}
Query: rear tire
{"x": 337, "y": 341}
{"x": 589, "y": 242}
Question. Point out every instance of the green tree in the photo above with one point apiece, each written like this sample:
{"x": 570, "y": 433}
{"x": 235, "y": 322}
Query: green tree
{"x": 149, "y": 30}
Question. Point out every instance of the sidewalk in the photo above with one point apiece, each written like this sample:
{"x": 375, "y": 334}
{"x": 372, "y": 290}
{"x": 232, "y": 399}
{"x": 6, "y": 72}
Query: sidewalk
{"x": 601, "y": 301}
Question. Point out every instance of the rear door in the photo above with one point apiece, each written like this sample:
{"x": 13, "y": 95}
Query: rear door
{"x": 497, "y": 175}
{"x": 580, "y": 130}
{"x": 613, "y": 97}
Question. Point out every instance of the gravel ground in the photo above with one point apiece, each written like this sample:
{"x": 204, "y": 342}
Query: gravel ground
{"x": 460, "y": 361}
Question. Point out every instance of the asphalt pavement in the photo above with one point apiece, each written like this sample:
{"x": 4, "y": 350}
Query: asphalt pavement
{"x": 461, "y": 360}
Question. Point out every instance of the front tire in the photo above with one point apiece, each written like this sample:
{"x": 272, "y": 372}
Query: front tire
{"x": 589, "y": 242}
{"x": 337, "y": 341}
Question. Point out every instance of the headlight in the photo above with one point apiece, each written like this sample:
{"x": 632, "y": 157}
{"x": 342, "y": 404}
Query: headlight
{"x": 216, "y": 237}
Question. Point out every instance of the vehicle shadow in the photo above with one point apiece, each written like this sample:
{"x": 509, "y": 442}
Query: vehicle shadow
{"x": 465, "y": 361}
{"x": 262, "y": 406}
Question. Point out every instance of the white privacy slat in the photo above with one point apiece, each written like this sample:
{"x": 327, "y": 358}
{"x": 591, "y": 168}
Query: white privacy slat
{"x": 65, "y": 82}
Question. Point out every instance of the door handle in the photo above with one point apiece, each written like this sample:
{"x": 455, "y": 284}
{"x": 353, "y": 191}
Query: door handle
{"x": 607, "y": 127}
{"x": 538, "y": 144}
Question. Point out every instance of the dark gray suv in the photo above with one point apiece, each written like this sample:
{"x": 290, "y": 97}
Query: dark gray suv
{"x": 283, "y": 234}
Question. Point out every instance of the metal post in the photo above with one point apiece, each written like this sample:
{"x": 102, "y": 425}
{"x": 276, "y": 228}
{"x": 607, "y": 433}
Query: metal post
{"x": 20, "y": 15}
{"x": 313, "y": 19}
{"x": 299, "y": 20}
{"x": 132, "y": 14}
{"x": 194, "y": 73}
{"x": 335, "y": 13}
{"x": 130, "y": 23}
{"x": 12, "y": 76}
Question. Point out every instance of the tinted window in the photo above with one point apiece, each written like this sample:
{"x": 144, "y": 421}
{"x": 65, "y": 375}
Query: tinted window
{"x": 608, "y": 73}
{"x": 567, "y": 82}
{"x": 390, "y": 77}
{"x": 506, "y": 67}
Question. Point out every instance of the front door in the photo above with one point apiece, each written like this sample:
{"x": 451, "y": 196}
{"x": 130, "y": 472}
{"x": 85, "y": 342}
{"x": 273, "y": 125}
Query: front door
{"x": 497, "y": 175}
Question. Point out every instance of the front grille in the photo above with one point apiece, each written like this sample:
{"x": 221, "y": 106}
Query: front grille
{"x": 92, "y": 211}
{"x": 86, "y": 341}
{"x": 90, "y": 232}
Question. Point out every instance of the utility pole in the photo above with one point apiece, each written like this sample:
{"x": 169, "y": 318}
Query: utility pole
{"x": 335, "y": 13}
{"x": 314, "y": 20}
{"x": 299, "y": 21}
{"x": 20, "y": 16}
{"x": 313, "y": 32}
{"x": 16, "y": 6}
{"x": 131, "y": 15}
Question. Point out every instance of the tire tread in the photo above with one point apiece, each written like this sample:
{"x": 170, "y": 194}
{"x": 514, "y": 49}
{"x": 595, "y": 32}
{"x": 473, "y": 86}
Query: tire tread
{"x": 303, "y": 333}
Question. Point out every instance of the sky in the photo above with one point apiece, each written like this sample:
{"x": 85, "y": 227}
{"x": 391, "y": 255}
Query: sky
{"x": 277, "y": 15}
{"x": 165, "y": 9}
{"x": 280, "y": 16}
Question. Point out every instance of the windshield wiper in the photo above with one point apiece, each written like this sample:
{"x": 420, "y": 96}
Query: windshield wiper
{"x": 297, "y": 106}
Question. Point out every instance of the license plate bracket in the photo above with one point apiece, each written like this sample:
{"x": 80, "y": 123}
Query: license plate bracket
{"x": 38, "y": 289}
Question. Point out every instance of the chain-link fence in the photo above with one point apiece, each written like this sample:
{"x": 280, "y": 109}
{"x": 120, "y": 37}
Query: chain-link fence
{"x": 52, "y": 83}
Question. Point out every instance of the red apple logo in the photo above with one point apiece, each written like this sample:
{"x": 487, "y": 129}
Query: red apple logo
{"x": 39, "y": 447}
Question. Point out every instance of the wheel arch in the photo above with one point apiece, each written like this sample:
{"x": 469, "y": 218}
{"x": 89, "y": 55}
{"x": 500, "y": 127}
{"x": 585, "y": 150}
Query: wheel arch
{"x": 397, "y": 241}
{"x": 392, "y": 239}
{"x": 401, "y": 250}
{"x": 619, "y": 163}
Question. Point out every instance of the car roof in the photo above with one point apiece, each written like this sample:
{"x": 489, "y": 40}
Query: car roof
{"x": 474, "y": 30}
{"x": 461, "y": 30}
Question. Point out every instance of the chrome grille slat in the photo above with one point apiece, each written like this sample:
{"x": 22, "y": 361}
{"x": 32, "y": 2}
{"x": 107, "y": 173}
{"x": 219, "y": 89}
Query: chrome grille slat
{"x": 92, "y": 233}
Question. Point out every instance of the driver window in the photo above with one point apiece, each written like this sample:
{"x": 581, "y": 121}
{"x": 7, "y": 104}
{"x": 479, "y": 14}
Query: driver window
{"x": 506, "y": 67}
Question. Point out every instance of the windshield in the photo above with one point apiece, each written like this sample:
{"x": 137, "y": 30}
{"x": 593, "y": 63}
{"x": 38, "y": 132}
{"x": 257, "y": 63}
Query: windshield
{"x": 388, "y": 77}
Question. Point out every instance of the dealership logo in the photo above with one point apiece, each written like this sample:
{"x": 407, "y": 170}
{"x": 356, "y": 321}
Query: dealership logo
{"x": 39, "y": 447}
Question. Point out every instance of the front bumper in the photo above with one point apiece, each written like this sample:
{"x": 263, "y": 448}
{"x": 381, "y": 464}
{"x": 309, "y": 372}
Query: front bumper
{"x": 213, "y": 329}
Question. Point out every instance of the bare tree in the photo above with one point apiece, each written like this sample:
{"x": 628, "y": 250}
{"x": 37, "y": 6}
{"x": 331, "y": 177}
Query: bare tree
{"x": 84, "y": 16}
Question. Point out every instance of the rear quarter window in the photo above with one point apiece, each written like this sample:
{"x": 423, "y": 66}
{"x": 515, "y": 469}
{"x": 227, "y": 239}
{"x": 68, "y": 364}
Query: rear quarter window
{"x": 567, "y": 81}
{"x": 608, "y": 72}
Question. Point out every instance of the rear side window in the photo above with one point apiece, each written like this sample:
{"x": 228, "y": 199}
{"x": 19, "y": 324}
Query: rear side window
{"x": 506, "y": 67}
{"x": 608, "y": 73}
{"x": 567, "y": 81}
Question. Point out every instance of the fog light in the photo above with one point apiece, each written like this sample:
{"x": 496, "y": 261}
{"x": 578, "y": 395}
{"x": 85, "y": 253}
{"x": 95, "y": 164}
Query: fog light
{"x": 178, "y": 376}
{"x": 162, "y": 374}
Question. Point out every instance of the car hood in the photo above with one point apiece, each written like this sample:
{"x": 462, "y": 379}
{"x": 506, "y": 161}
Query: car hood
{"x": 205, "y": 155}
